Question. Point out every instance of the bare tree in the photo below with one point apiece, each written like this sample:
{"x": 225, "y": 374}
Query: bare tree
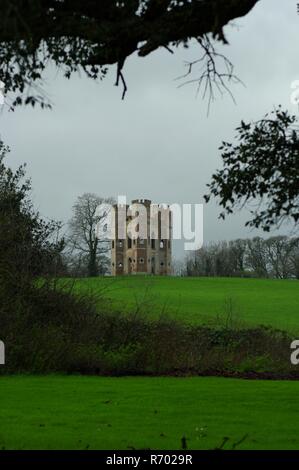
{"x": 294, "y": 259}
{"x": 275, "y": 257}
{"x": 218, "y": 259}
{"x": 237, "y": 255}
{"x": 257, "y": 257}
{"x": 178, "y": 268}
{"x": 282, "y": 254}
{"x": 88, "y": 248}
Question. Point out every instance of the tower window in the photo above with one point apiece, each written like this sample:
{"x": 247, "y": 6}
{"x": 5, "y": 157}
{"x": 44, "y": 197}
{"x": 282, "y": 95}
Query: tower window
{"x": 161, "y": 244}
{"x": 112, "y": 243}
{"x": 162, "y": 264}
{"x": 129, "y": 243}
{"x": 120, "y": 265}
{"x": 153, "y": 244}
{"x": 141, "y": 260}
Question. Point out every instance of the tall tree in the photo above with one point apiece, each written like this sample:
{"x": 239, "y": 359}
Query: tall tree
{"x": 237, "y": 250}
{"x": 28, "y": 244}
{"x": 281, "y": 251}
{"x": 84, "y": 229}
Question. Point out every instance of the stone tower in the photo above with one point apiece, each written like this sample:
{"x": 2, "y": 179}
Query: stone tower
{"x": 150, "y": 255}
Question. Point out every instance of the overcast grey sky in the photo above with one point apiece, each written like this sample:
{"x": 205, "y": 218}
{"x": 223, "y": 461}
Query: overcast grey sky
{"x": 93, "y": 142}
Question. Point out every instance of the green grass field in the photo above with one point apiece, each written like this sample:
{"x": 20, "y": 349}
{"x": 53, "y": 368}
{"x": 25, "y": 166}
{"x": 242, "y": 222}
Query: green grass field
{"x": 58, "y": 412}
{"x": 200, "y": 300}
{"x": 80, "y": 412}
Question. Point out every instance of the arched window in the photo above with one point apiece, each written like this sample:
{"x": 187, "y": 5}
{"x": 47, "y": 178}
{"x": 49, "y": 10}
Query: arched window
{"x": 161, "y": 244}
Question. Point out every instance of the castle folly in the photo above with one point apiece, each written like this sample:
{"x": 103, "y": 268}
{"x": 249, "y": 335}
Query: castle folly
{"x": 142, "y": 254}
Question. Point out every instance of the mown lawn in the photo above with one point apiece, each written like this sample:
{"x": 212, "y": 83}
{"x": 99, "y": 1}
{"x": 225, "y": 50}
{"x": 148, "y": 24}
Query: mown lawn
{"x": 200, "y": 300}
{"x": 56, "y": 412}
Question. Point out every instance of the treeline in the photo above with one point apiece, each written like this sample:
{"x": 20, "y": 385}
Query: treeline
{"x": 275, "y": 257}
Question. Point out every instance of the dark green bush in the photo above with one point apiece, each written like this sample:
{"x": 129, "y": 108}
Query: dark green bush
{"x": 50, "y": 330}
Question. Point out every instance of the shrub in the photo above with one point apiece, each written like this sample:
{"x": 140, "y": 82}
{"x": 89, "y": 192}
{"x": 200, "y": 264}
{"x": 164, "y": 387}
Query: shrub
{"x": 49, "y": 330}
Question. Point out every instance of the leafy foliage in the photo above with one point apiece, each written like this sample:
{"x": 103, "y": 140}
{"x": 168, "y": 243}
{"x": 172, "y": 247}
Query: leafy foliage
{"x": 88, "y": 35}
{"x": 261, "y": 171}
{"x": 27, "y": 246}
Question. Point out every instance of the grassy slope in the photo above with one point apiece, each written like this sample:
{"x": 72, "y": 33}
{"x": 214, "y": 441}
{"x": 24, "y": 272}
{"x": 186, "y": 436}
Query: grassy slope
{"x": 114, "y": 413}
{"x": 256, "y": 301}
